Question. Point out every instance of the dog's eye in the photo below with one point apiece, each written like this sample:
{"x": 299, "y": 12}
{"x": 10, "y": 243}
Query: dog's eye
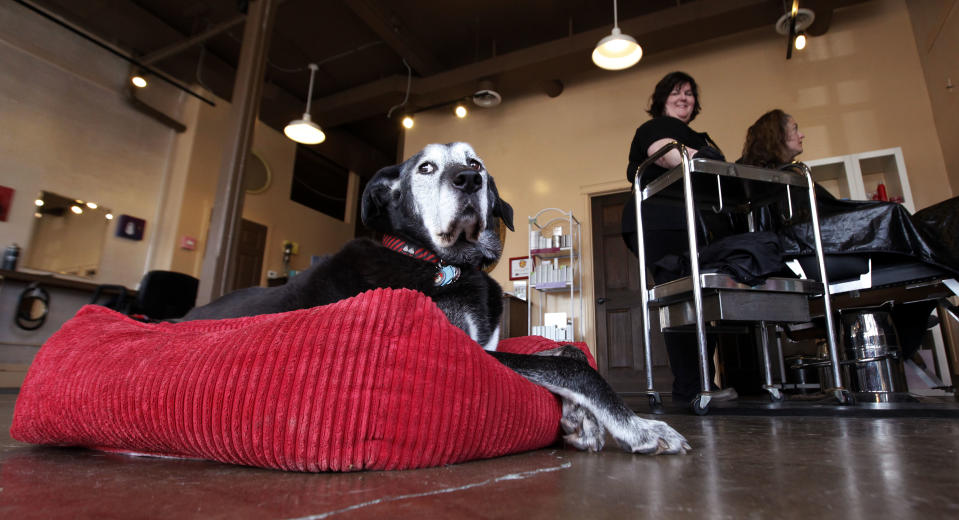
{"x": 474, "y": 164}
{"x": 427, "y": 168}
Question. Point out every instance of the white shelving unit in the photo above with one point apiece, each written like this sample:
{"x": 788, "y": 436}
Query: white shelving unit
{"x": 555, "y": 242}
{"x": 857, "y": 176}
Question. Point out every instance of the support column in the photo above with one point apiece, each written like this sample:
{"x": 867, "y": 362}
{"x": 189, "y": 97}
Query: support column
{"x": 217, "y": 272}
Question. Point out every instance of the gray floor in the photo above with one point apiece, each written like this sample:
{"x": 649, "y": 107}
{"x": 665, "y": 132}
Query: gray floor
{"x": 742, "y": 467}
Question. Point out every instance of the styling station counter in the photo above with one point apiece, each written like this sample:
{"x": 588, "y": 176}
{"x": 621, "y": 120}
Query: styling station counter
{"x": 18, "y": 345}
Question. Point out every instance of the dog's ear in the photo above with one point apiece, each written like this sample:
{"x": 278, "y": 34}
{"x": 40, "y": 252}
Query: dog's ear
{"x": 500, "y": 207}
{"x": 376, "y": 197}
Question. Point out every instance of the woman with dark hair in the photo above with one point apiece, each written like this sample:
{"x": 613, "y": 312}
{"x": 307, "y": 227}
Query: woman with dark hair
{"x": 673, "y": 105}
{"x": 773, "y": 140}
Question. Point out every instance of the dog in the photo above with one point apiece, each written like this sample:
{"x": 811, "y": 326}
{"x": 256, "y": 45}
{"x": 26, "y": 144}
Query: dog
{"x": 439, "y": 212}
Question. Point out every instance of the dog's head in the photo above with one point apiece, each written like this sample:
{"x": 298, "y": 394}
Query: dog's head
{"x": 442, "y": 198}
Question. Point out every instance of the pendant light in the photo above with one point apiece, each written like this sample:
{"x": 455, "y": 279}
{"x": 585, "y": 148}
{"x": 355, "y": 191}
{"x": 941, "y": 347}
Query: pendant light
{"x": 305, "y": 130}
{"x": 793, "y": 25}
{"x": 617, "y": 51}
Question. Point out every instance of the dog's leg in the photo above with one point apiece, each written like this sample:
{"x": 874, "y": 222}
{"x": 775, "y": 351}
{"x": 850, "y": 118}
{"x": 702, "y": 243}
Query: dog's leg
{"x": 582, "y": 429}
{"x": 576, "y": 382}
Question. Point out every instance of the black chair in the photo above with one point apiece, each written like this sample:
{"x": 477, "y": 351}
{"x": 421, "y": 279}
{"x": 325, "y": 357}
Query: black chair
{"x": 162, "y": 295}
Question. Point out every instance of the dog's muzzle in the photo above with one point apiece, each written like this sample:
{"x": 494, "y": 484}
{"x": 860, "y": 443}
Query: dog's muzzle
{"x": 468, "y": 181}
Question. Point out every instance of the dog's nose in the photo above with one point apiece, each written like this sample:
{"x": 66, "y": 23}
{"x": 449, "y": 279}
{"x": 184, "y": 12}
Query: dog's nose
{"x": 468, "y": 180}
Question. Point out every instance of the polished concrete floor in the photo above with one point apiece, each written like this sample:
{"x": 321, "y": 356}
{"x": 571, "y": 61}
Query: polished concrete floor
{"x": 742, "y": 466}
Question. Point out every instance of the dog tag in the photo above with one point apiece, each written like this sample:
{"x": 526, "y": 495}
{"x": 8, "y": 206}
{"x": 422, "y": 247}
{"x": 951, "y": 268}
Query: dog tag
{"x": 445, "y": 275}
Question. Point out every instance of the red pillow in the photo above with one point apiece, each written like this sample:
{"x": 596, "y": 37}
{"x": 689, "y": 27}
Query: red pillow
{"x": 378, "y": 381}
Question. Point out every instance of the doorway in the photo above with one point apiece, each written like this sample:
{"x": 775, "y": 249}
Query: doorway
{"x": 618, "y": 305}
{"x": 248, "y": 262}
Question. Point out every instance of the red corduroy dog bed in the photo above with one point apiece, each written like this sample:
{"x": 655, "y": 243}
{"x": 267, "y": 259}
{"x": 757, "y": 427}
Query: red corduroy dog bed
{"x": 378, "y": 381}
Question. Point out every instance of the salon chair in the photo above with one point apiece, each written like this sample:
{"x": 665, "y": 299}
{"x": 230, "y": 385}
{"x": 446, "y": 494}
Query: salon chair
{"x": 162, "y": 295}
{"x": 902, "y": 265}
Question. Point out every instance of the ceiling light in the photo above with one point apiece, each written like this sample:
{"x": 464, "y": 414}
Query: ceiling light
{"x": 305, "y": 130}
{"x": 460, "y": 111}
{"x": 617, "y": 51}
{"x": 109, "y": 216}
{"x": 76, "y": 209}
{"x": 486, "y": 95}
{"x": 92, "y": 205}
{"x": 792, "y": 24}
{"x": 800, "y": 41}
{"x": 138, "y": 81}
{"x": 38, "y": 202}
{"x": 407, "y": 122}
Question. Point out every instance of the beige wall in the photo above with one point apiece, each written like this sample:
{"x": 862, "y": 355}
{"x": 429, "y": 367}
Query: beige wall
{"x": 859, "y": 87}
{"x": 936, "y": 27}
{"x": 69, "y": 129}
{"x": 201, "y": 151}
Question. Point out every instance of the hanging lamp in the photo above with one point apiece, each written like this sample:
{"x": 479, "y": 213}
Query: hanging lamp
{"x": 617, "y": 51}
{"x": 305, "y": 130}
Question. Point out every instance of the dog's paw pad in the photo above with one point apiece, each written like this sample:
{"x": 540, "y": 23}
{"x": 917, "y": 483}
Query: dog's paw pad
{"x": 584, "y": 432}
{"x": 585, "y": 442}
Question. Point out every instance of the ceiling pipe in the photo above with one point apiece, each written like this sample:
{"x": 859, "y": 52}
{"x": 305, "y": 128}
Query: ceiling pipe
{"x": 111, "y": 48}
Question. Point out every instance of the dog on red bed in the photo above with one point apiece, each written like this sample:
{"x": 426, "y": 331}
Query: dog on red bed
{"x": 438, "y": 212}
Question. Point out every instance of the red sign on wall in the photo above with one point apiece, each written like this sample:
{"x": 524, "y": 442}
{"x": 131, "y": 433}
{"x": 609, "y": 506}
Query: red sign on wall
{"x": 6, "y": 200}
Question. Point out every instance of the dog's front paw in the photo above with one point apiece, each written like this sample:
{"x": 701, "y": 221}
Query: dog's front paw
{"x": 583, "y": 431}
{"x": 651, "y": 438}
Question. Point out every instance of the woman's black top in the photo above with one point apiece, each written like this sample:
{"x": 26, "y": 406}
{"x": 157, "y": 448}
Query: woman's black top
{"x": 656, "y": 217}
{"x": 664, "y": 127}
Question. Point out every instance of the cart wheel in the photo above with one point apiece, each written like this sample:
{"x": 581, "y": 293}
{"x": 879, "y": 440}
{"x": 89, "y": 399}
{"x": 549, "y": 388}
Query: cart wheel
{"x": 698, "y": 407}
{"x": 655, "y": 403}
{"x": 776, "y": 395}
{"x": 844, "y": 397}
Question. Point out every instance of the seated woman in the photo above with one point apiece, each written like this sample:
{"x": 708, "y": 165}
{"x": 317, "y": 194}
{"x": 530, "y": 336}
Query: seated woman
{"x": 673, "y": 105}
{"x": 772, "y": 141}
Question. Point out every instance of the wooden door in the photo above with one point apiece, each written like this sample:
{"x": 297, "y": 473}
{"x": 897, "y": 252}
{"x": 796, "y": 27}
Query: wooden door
{"x": 618, "y": 305}
{"x": 248, "y": 261}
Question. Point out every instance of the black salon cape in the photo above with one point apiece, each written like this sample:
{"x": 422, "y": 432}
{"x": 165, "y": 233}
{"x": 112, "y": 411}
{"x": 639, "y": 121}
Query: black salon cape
{"x": 656, "y": 217}
{"x": 869, "y": 228}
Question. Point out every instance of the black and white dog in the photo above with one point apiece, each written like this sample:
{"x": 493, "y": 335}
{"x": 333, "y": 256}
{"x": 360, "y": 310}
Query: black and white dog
{"x": 439, "y": 212}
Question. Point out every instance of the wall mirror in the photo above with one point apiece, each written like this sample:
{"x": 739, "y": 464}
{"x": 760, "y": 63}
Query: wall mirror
{"x": 68, "y": 235}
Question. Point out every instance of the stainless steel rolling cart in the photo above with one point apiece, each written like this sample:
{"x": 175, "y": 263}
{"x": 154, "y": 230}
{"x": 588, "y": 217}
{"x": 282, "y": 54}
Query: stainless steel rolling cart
{"x": 701, "y": 298}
